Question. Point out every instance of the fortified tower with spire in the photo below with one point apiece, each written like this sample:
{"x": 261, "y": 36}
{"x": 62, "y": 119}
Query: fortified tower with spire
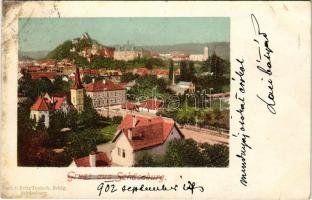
{"x": 76, "y": 93}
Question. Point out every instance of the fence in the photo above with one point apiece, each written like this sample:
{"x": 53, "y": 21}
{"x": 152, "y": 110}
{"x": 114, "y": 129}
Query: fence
{"x": 209, "y": 129}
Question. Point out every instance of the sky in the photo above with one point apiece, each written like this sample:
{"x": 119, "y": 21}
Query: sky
{"x": 44, "y": 34}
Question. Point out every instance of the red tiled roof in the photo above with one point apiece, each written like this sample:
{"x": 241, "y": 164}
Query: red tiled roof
{"x": 37, "y": 75}
{"x": 90, "y": 71}
{"x": 101, "y": 161}
{"x": 161, "y": 71}
{"x": 47, "y": 62}
{"x": 147, "y": 132}
{"x": 101, "y": 86}
{"x": 143, "y": 71}
{"x": 107, "y": 52}
{"x": 129, "y": 106}
{"x": 40, "y": 105}
{"x": 151, "y": 104}
{"x": 124, "y": 84}
{"x": 58, "y": 102}
{"x": 44, "y": 104}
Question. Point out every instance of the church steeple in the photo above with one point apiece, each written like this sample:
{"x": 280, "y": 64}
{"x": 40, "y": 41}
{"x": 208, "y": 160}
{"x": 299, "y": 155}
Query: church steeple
{"x": 77, "y": 84}
{"x": 76, "y": 92}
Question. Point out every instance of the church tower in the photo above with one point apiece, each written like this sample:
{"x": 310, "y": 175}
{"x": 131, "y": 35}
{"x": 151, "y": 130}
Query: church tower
{"x": 76, "y": 93}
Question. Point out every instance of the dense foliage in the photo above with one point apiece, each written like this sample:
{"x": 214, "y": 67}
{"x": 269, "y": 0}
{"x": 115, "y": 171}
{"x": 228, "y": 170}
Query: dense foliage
{"x": 200, "y": 117}
{"x": 187, "y": 71}
{"x": 36, "y": 144}
{"x": 187, "y": 153}
{"x": 148, "y": 87}
{"x": 62, "y": 51}
{"x": 32, "y": 88}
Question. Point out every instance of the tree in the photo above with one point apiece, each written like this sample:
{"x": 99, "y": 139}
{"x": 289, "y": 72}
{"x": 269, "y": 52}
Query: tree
{"x": 89, "y": 116}
{"x": 80, "y": 61}
{"x": 57, "y": 121}
{"x": 127, "y": 77}
{"x": 183, "y": 153}
{"x": 183, "y": 70}
{"x": 60, "y": 86}
{"x": 56, "y": 139}
{"x": 33, "y": 88}
{"x": 72, "y": 119}
{"x": 149, "y": 64}
{"x": 171, "y": 71}
{"x": 187, "y": 70}
{"x": 87, "y": 79}
{"x": 81, "y": 142}
{"x": 23, "y": 117}
{"x": 83, "y": 43}
{"x": 215, "y": 65}
{"x": 215, "y": 155}
{"x": 62, "y": 51}
{"x": 186, "y": 153}
{"x": 144, "y": 159}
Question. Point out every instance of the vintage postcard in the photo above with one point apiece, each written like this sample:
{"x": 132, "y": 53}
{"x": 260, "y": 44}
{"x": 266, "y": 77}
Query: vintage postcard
{"x": 159, "y": 100}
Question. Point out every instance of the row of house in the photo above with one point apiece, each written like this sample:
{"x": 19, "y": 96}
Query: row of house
{"x": 102, "y": 93}
{"x": 95, "y": 50}
{"x": 179, "y": 56}
{"x": 136, "y": 133}
{"x": 160, "y": 73}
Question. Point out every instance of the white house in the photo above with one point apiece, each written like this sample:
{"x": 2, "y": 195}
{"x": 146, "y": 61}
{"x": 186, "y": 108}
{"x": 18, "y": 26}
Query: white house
{"x": 182, "y": 87}
{"x": 197, "y": 57}
{"x": 44, "y": 106}
{"x": 105, "y": 92}
{"x": 137, "y": 133}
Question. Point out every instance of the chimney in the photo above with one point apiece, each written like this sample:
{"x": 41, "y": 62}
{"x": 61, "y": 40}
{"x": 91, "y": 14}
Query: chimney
{"x": 130, "y": 133}
{"x": 93, "y": 80}
{"x": 92, "y": 159}
{"x": 134, "y": 120}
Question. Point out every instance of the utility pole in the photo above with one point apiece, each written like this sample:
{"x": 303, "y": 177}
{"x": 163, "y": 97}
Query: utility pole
{"x": 210, "y": 89}
{"x": 108, "y": 104}
{"x": 220, "y": 103}
{"x": 203, "y": 99}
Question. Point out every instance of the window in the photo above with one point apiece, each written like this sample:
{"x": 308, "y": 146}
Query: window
{"x": 123, "y": 153}
{"x": 119, "y": 150}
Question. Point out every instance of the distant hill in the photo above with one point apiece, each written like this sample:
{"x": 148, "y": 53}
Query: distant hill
{"x": 64, "y": 50}
{"x": 222, "y": 49}
{"x": 29, "y": 55}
